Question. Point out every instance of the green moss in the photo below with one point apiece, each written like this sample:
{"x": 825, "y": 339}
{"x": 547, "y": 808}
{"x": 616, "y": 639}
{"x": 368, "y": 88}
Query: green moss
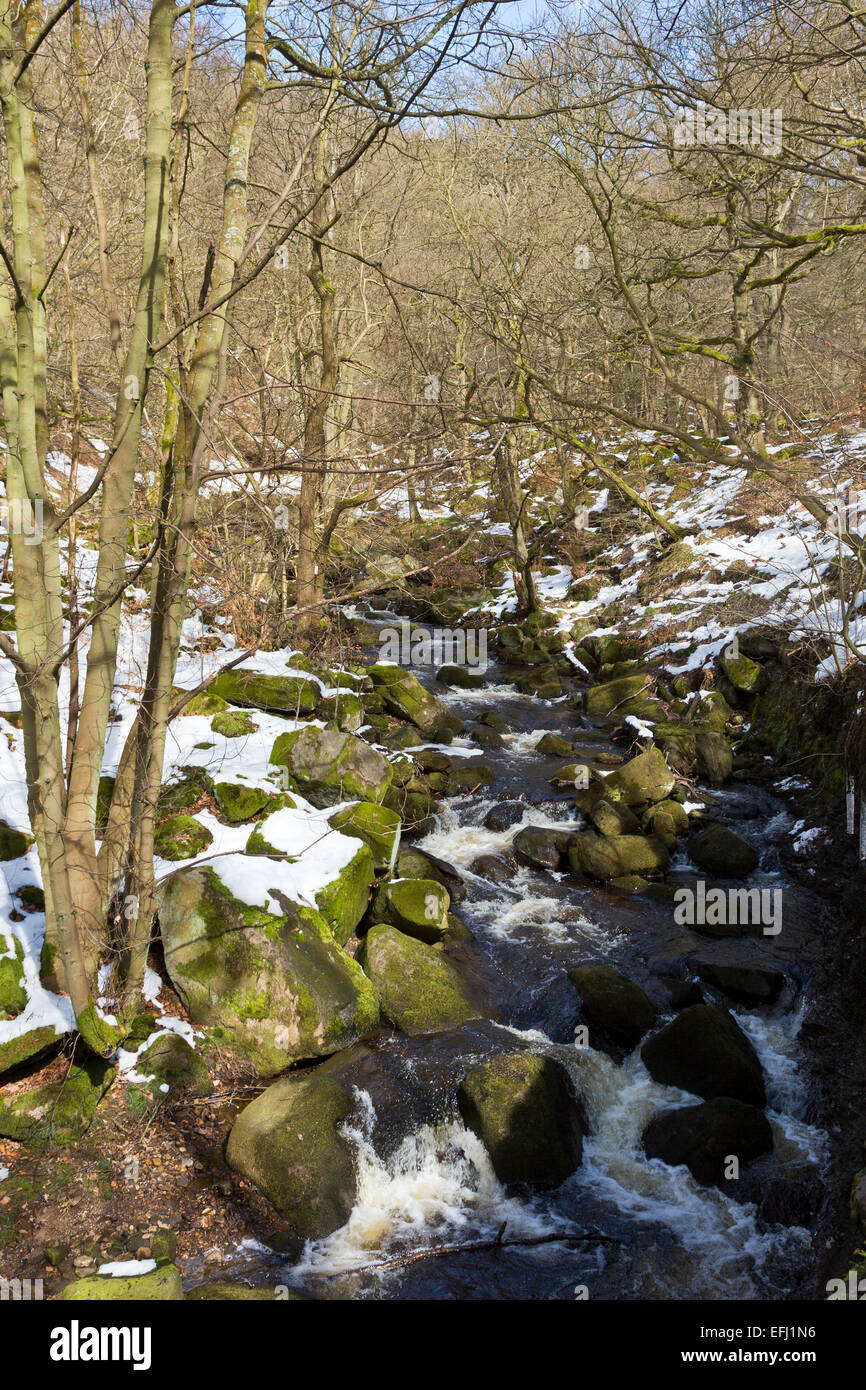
{"x": 233, "y": 724}
{"x": 193, "y": 785}
{"x": 238, "y": 803}
{"x": 181, "y": 837}
{"x": 13, "y": 843}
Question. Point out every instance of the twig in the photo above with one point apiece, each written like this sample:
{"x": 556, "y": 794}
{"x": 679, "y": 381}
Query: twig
{"x": 496, "y": 1243}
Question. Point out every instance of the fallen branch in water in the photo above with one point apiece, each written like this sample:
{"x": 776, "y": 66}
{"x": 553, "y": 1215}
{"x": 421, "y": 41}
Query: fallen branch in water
{"x": 496, "y": 1243}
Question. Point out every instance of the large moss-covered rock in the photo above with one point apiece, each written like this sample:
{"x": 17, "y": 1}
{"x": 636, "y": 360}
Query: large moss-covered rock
{"x": 744, "y": 674}
{"x": 420, "y": 990}
{"x": 616, "y": 1006}
{"x": 234, "y": 723}
{"x": 276, "y": 989}
{"x": 722, "y": 852}
{"x": 613, "y": 818}
{"x": 524, "y": 1110}
{"x": 171, "y": 1063}
{"x": 404, "y": 695}
{"x": 286, "y": 694}
{"x": 377, "y": 826}
{"x": 13, "y": 994}
{"x": 330, "y": 767}
{"x": 623, "y": 695}
{"x": 27, "y": 1047}
{"x": 692, "y": 750}
{"x": 704, "y": 1050}
{"x": 289, "y": 1144}
{"x": 344, "y": 901}
{"x": 540, "y": 847}
{"x": 665, "y": 818}
{"x": 706, "y": 1137}
{"x": 181, "y": 837}
{"x": 417, "y": 906}
{"x": 644, "y": 779}
{"x": 60, "y": 1112}
{"x": 190, "y": 787}
{"x": 162, "y": 1285}
{"x": 13, "y": 843}
{"x": 616, "y": 856}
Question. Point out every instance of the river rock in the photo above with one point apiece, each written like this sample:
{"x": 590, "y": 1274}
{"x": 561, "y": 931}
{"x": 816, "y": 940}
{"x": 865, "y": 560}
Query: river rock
{"x": 665, "y": 818}
{"x": 285, "y": 694}
{"x": 615, "y": 856}
{"x": 415, "y": 863}
{"x": 525, "y": 1111}
{"x": 554, "y": 746}
{"x": 459, "y": 676}
{"x": 615, "y": 1005}
{"x": 498, "y": 868}
{"x": 420, "y": 989}
{"x": 343, "y": 711}
{"x": 540, "y": 848}
{"x": 704, "y": 1137}
{"x": 612, "y": 818}
{"x": 505, "y": 814}
{"x": 417, "y": 906}
{"x": 644, "y": 779}
{"x": 330, "y": 767}
{"x": 745, "y": 984}
{"x": 704, "y": 1050}
{"x": 404, "y": 695}
{"x": 722, "y": 852}
{"x": 344, "y": 900}
{"x": 275, "y": 989}
{"x": 744, "y": 674}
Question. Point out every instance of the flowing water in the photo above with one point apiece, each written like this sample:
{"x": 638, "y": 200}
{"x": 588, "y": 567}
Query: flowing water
{"x": 646, "y": 1230}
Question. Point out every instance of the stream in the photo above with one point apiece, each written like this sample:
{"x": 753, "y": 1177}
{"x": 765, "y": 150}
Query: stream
{"x": 652, "y": 1232}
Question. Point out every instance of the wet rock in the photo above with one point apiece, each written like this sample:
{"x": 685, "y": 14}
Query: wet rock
{"x": 611, "y": 818}
{"x": 554, "y": 746}
{"x": 745, "y": 984}
{"x": 578, "y": 775}
{"x": 695, "y": 751}
{"x": 223, "y": 1290}
{"x": 420, "y": 989}
{"x": 330, "y": 767}
{"x": 413, "y": 863}
{"x": 705, "y": 1137}
{"x": 543, "y": 683}
{"x": 615, "y": 1005}
{"x": 377, "y": 826}
{"x": 540, "y": 848}
{"x": 493, "y": 720}
{"x": 505, "y": 814}
{"x": 343, "y": 711}
{"x": 275, "y": 989}
{"x": 624, "y": 695}
{"x": 459, "y": 676}
{"x": 722, "y": 852}
{"x": 487, "y": 738}
{"x": 417, "y": 906}
{"x": 704, "y": 1050}
{"x": 497, "y": 868}
{"x": 605, "y": 857}
{"x": 525, "y": 1111}
{"x": 285, "y": 694}
{"x": 683, "y": 993}
{"x": 666, "y": 818}
{"x": 468, "y": 777}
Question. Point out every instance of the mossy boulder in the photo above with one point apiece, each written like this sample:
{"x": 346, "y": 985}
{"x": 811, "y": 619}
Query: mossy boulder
{"x": 224, "y": 1291}
{"x": 417, "y": 906}
{"x": 330, "y": 767}
{"x": 377, "y": 826}
{"x": 705, "y": 1137}
{"x": 284, "y": 694}
{"x": 693, "y": 750}
{"x": 644, "y": 779}
{"x": 28, "y": 1047}
{"x": 274, "y": 988}
{"x": 13, "y": 843}
{"x": 233, "y": 723}
{"x": 343, "y": 711}
{"x": 181, "y": 837}
{"x": 420, "y": 989}
{"x": 554, "y": 746}
{"x": 344, "y": 900}
{"x": 525, "y": 1111}
{"x": 171, "y": 1063}
{"x": 162, "y": 1285}
{"x": 404, "y": 695}
{"x": 184, "y": 792}
{"x": 722, "y": 852}
{"x": 621, "y": 695}
{"x": 288, "y": 1143}
{"x": 744, "y": 674}
{"x": 618, "y": 1007}
{"x": 665, "y": 818}
{"x": 615, "y": 856}
{"x": 13, "y": 993}
{"x": 460, "y": 677}
{"x": 704, "y": 1050}
{"x": 613, "y": 818}
{"x": 540, "y": 847}
{"x": 205, "y": 703}
{"x": 238, "y": 803}
{"x": 60, "y": 1112}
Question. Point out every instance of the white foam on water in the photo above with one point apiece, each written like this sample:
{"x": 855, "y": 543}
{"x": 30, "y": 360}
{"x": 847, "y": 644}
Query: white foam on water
{"x": 437, "y": 1188}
